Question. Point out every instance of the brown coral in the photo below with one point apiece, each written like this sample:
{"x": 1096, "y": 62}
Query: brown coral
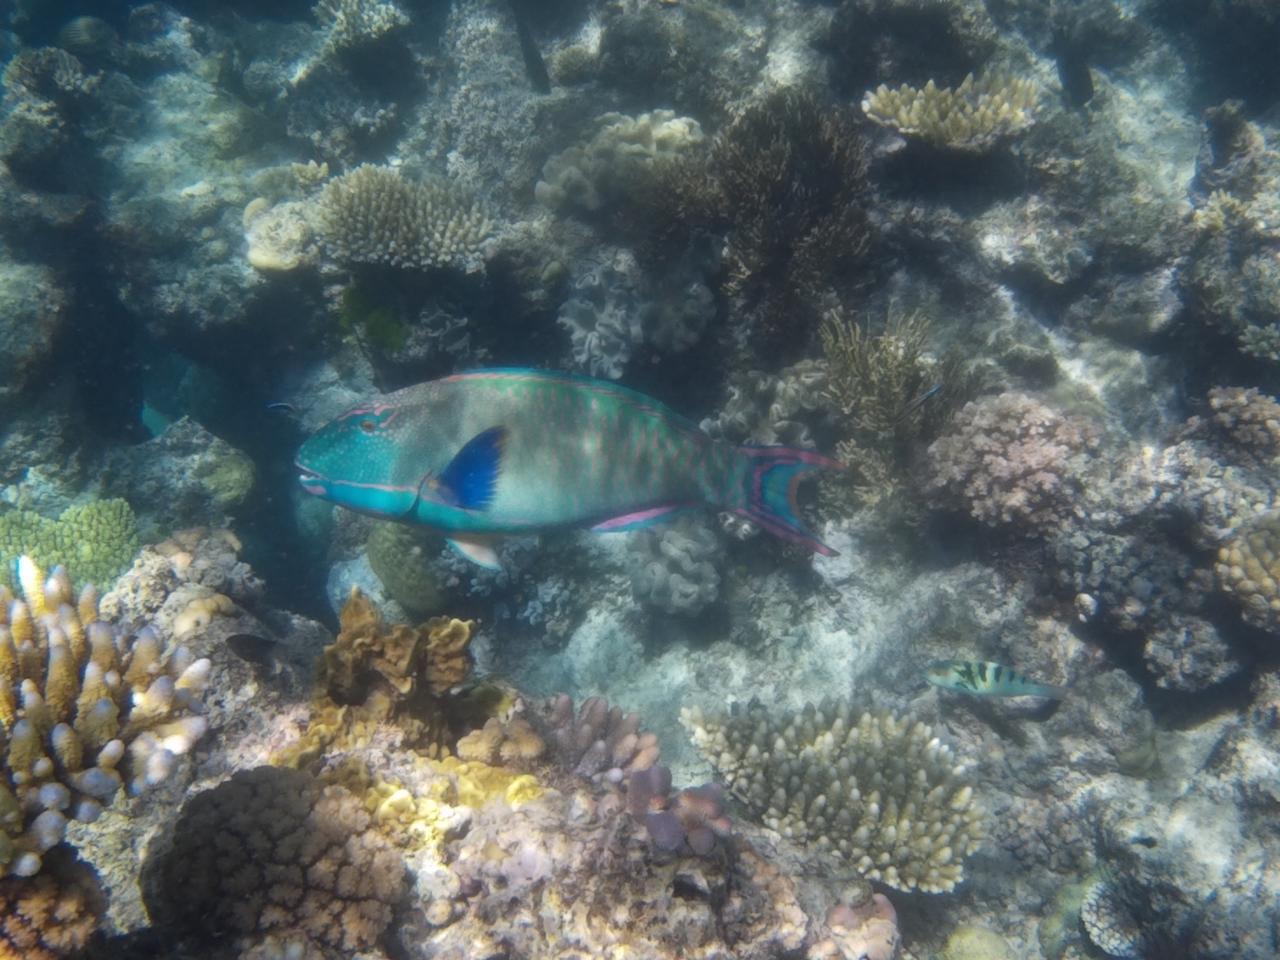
{"x": 270, "y": 854}
{"x": 49, "y": 916}
{"x": 1249, "y": 569}
{"x": 1249, "y": 421}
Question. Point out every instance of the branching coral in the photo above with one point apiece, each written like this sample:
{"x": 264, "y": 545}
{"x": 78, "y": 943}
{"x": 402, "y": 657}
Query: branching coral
{"x": 1011, "y": 461}
{"x": 599, "y": 742}
{"x": 271, "y": 857}
{"x": 882, "y": 794}
{"x": 374, "y": 215}
{"x": 96, "y": 541}
{"x": 974, "y": 116}
{"x": 888, "y": 394}
{"x": 83, "y": 711}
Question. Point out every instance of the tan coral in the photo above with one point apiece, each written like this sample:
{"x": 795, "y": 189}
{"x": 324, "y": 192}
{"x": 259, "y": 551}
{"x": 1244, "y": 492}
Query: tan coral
{"x": 1248, "y": 568}
{"x": 50, "y": 916}
{"x": 199, "y": 613}
{"x": 973, "y": 116}
{"x": 83, "y": 711}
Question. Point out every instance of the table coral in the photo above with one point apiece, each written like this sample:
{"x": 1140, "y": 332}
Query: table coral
{"x": 881, "y": 793}
{"x": 83, "y": 711}
{"x": 974, "y": 116}
{"x": 271, "y": 855}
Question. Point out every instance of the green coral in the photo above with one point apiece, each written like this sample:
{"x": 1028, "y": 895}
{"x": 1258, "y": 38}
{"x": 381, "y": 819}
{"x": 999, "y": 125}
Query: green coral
{"x": 399, "y": 555}
{"x": 879, "y": 793}
{"x": 96, "y": 541}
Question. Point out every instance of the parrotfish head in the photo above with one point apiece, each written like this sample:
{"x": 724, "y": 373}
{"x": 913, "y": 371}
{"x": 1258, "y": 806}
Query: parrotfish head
{"x": 352, "y": 461}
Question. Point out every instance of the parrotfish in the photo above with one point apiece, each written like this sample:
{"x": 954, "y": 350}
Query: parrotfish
{"x": 488, "y": 453}
{"x": 984, "y": 679}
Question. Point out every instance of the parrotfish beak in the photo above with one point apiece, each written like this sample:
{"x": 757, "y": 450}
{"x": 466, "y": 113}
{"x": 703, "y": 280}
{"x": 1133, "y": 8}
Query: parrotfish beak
{"x": 311, "y": 482}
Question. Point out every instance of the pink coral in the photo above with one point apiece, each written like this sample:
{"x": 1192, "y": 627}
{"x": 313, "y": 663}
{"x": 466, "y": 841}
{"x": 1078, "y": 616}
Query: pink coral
{"x": 1011, "y": 461}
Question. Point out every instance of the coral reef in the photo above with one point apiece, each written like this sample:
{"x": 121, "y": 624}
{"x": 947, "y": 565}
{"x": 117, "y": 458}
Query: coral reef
{"x": 51, "y": 916}
{"x": 974, "y": 116}
{"x": 882, "y": 795}
{"x": 1249, "y": 569}
{"x": 676, "y": 568}
{"x": 83, "y": 712}
{"x": 271, "y": 859}
{"x": 95, "y": 541}
{"x": 1011, "y": 461}
{"x": 400, "y": 556}
{"x": 374, "y": 215}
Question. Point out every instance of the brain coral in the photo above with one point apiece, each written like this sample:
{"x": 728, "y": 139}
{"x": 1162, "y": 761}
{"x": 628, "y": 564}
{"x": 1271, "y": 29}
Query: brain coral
{"x": 373, "y": 215}
{"x": 82, "y": 711}
{"x": 880, "y": 793}
{"x": 270, "y": 856}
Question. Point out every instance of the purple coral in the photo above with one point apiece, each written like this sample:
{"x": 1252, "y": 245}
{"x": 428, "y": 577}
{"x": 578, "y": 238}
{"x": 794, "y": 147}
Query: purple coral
{"x": 1011, "y": 461}
{"x": 692, "y": 821}
{"x": 599, "y": 742}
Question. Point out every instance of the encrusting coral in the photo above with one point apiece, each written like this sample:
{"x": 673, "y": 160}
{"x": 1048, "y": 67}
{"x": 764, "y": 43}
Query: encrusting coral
{"x": 973, "y": 116}
{"x": 272, "y": 860}
{"x": 95, "y": 542}
{"x": 881, "y": 794}
{"x": 83, "y": 712}
{"x": 374, "y": 215}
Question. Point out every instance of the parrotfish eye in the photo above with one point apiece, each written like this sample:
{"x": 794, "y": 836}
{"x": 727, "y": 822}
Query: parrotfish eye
{"x": 368, "y": 426}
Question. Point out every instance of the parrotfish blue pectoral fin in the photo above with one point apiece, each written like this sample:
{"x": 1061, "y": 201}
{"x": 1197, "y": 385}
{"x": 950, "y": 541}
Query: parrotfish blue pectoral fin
{"x": 641, "y": 518}
{"x": 479, "y": 550}
{"x": 770, "y": 497}
{"x": 470, "y": 479}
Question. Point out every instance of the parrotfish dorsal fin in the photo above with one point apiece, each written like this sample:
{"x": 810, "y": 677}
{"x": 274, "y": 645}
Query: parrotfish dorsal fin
{"x": 471, "y": 478}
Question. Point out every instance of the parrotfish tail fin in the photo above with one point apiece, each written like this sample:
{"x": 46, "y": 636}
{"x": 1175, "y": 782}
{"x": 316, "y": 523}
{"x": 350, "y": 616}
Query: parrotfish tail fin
{"x": 769, "y": 497}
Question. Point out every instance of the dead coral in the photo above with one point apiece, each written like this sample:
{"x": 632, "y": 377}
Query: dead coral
{"x": 270, "y": 856}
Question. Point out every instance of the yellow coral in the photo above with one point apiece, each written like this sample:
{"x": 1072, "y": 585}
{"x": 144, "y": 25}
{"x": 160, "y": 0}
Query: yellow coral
{"x": 973, "y": 116}
{"x": 199, "y": 613}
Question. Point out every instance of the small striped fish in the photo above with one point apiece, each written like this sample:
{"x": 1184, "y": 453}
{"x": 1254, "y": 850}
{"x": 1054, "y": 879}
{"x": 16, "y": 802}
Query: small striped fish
{"x": 984, "y": 679}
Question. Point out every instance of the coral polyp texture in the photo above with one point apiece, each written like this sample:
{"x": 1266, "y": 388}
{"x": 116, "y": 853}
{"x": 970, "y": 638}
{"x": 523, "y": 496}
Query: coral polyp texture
{"x": 51, "y": 916}
{"x": 1010, "y": 461}
{"x": 1248, "y": 568}
{"x": 974, "y": 116}
{"x": 374, "y": 215}
{"x": 84, "y": 711}
{"x": 273, "y": 861}
{"x": 95, "y": 542}
{"x": 880, "y": 793}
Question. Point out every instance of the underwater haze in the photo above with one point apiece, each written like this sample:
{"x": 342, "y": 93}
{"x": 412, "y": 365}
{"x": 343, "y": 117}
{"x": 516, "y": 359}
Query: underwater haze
{"x": 646, "y": 479}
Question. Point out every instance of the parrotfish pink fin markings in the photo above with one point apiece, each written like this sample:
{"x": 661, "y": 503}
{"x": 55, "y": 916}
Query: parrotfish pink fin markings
{"x": 641, "y": 518}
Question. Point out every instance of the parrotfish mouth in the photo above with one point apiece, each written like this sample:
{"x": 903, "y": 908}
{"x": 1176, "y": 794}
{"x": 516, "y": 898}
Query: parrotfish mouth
{"x": 311, "y": 482}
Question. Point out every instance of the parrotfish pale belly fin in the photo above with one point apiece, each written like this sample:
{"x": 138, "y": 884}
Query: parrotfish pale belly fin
{"x": 479, "y": 550}
{"x": 773, "y": 473}
{"x": 470, "y": 479}
{"x": 640, "y": 519}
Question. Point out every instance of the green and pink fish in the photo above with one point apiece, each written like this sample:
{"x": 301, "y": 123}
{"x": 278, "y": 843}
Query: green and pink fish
{"x": 489, "y": 453}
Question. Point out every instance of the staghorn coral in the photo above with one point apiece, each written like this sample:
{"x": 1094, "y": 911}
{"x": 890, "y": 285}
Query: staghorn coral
{"x": 49, "y": 916}
{"x": 881, "y": 794}
{"x": 83, "y": 711}
{"x": 96, "y": 541}
{"x": 374, "y": 215}
{"x": 1011, "y": 461}
{"x": 272, "y": 858}
{"x": 1248, "y": 569}
{"x": 974, "y": 116}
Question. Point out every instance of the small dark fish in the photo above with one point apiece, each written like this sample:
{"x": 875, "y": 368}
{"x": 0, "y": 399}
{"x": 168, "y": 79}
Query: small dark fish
{"x": 260, "y": 651}
{"x": 918, "y": 402}
{"x": 534, "y": 65}
{"x": 1073, "y": 69}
